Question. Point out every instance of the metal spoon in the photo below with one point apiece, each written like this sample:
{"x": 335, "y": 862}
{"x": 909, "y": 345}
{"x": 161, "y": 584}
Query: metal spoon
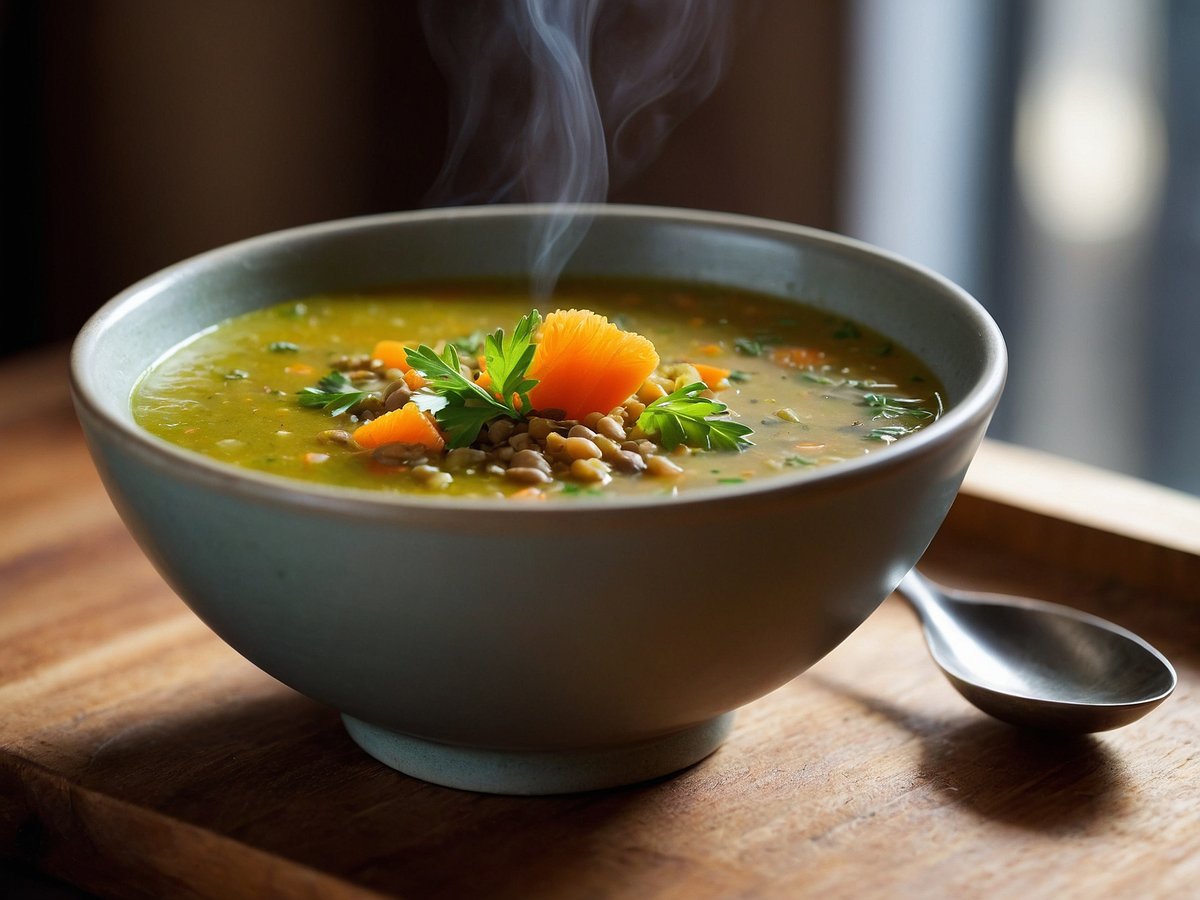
{"x": 1038, "y": 664}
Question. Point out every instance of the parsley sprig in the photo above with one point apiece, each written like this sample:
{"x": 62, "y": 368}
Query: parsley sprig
{"x": 335, "y": 393}
{"x": 460, "y": 405}
{"x": 682, "y": 417}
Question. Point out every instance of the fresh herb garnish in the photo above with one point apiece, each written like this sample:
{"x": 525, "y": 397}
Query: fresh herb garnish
{"x": 335, "y": 393}
{"x": 737, "y": 376}
{"x": 472, "y": 344}
{"x": 571, "y": 488}
{"x": 749, "y": 346}
{"x": 282, "y": 347}
{"x": 794, "y": 461}
{"x": 682, "y": 417}
{"x": 887, "y": 407}
{"x": 508, "y": 362}
{"x": 236, "y": 374}
{"x": 889, "y": 433}
{"x": 858, "y": 383}
{"x": 464, "y": 407}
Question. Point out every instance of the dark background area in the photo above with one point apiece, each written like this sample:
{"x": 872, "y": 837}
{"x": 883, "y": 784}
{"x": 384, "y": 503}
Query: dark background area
{"x": 140, "y": 133}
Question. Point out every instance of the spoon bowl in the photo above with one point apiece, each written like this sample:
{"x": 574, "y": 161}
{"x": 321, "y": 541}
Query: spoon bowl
{"x": 1036, "y": 664}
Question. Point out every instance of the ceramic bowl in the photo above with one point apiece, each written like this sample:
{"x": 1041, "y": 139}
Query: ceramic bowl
{"x": 536, "y": 648}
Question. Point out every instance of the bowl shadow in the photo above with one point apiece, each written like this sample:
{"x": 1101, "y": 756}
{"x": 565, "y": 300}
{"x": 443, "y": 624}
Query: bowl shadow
{"x": 1037, "y": 781}
{"x": 277, "y": 773}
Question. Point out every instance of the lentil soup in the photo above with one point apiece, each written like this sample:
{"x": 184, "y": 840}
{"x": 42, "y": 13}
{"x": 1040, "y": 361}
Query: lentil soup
{"x": 339, "y": 390}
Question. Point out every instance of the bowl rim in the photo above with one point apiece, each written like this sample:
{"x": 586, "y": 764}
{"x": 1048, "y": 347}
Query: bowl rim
{"x": 978, "y": 403}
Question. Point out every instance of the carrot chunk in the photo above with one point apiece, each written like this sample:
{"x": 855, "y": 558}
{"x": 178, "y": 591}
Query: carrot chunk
{"x": 714, "y": 377}
{"x": 406, "y": 425}
{"x": 583, "y": 363}
{"x": 391, "y": 354}
{"x": 414, "y": 379}
{"x": 797, "y": 357}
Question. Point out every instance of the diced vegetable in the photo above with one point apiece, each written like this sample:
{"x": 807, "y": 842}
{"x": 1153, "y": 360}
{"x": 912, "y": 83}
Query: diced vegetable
{"x": 714, "y": 377}
{"x": 391, "y": 354}
{"x": 406, "y": 425}
{"x": 583, "y": 363}
{"x": 797, "y": 357}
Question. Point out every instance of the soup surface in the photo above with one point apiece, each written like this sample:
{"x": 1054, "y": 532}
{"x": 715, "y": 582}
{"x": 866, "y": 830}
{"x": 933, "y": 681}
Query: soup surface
{"x": 760, "y": 385}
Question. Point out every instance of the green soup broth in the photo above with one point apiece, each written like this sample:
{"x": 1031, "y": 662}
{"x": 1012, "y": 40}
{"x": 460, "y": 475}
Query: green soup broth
{"x": 816, "y": 389}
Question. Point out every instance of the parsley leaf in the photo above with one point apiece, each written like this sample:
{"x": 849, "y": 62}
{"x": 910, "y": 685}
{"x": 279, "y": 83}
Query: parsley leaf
{"x": 335, "y": 393}
{"x": 682, "y": 417}
{"x": 507, "y": 363}
{"x": 472, "y": 343}
{"x": 466, "y": 406}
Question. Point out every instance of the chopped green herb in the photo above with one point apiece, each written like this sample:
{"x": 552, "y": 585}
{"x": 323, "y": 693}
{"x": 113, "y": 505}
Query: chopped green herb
{"x": 889, "y": 433}
{"x": 578, "y": 490}
{"x": 682, "y": 417}
{"x": 799, "y": 461}
{"x": 462, "y": 407}
{"x": 282, "y": 347}
{"x": 335, "y": 393}
{"x": 507, "y": 363}
{"x": 749, "y": 346}
{"x": 236, "y": 374}
{"x": 887, "y": 407}
{"x": 737, "y": 376}
{"x": 816, "y": 378}
{"x": 731, "y": 481}
{"x": 869, "y": 385}
{"x": 472, "y": 344}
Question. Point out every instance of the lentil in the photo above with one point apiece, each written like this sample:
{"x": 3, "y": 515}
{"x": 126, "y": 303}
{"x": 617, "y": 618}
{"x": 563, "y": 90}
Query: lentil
{"x": 590, "y": 470}
{"x": 522, "y": 475}
{"x": 581, "y": 448}
{"x": 661, "y": 467}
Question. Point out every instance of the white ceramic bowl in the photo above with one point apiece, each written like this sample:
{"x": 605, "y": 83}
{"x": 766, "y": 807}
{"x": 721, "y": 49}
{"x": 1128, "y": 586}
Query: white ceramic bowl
{"x": 536, "y": 648}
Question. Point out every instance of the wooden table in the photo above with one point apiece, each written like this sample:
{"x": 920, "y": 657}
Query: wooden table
{"x": 141, "y": 757}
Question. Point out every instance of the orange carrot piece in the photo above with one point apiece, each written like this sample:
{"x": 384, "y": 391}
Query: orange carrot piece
{"x": 710, "y": 349}
{"x": 406, "y": 425}
{"x": 797, "y": 357}
{"x": 391, "y": 354}
{"x": 714, "y": 377}
{"x": 414, "y": 379}
{"x": 583, "y": 363}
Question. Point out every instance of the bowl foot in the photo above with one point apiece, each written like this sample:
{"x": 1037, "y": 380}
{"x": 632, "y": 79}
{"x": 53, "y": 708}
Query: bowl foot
{"x": 531, "y": 772}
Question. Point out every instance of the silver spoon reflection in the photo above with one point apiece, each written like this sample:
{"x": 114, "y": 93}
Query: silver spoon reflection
{"x": 1037, "y": 664}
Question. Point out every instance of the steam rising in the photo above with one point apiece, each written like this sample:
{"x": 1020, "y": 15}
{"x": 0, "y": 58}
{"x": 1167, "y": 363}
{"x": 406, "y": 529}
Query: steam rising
{"x": 552, "y": 98}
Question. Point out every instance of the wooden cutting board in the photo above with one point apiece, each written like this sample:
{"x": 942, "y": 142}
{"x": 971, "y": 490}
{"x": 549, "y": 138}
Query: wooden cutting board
{"x": 140, "y": 757}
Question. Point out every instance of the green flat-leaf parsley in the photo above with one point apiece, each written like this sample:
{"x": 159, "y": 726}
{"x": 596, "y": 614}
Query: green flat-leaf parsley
{"x": 682, "y": 417}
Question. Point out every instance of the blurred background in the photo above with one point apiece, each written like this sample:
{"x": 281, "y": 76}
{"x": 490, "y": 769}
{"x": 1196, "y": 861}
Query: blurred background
{"x": 1045, "y": 154}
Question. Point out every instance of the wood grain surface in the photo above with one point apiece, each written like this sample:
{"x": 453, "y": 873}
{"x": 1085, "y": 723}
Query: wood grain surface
{"x": 141, "y": 757}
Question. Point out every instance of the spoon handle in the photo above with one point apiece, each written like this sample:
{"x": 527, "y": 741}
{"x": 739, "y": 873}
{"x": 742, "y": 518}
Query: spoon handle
{"x": 920, "y": 592}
